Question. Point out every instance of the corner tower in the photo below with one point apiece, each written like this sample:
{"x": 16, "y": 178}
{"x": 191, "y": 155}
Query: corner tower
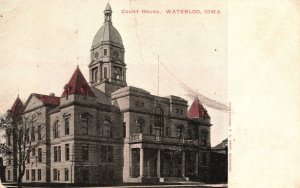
{"x": 107, "y": 67}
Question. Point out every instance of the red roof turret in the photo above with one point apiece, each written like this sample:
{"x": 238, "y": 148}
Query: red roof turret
{"x": 17, "y": 108}
{"x": 77, "y": 85}
{"x": 197, "y": 110}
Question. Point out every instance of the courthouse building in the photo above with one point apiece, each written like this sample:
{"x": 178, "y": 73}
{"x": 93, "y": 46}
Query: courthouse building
{"x": 104, "y": 130}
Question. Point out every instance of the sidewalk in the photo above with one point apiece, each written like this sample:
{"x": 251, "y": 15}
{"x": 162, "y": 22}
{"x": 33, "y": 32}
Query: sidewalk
{"x": 183, "y": 185}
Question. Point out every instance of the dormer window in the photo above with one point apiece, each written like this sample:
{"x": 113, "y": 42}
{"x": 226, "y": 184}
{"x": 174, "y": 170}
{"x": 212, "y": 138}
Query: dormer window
{"x": 67, "y": 89}
{"x": 105, "y": 52}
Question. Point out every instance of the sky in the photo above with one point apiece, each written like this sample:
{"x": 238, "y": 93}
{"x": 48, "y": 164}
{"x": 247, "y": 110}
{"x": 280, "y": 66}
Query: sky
{"x": 42, "y": 42}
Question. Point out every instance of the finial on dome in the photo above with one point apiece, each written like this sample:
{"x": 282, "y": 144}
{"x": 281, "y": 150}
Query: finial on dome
{"x": 108, "y": 7}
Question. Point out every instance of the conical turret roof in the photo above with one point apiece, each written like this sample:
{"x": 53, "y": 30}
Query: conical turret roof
{"x": 197, "y": 110}
{"x": 17, "y": 108}
{"x": 78, "y": 85}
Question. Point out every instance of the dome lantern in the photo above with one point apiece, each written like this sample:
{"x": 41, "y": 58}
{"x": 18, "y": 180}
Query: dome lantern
{"x": 107, "y": 13}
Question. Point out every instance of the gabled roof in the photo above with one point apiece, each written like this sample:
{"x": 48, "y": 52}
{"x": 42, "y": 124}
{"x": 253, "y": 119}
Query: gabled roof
{"x": 222, "y": 145}
{"x": 197, "y": 110}
{"x": 47, "y": 99}
{"x": 17, "y": 108}
{"x": 77, "y": 85}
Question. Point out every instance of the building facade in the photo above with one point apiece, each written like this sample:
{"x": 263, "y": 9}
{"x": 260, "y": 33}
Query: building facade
{"x": 105, "y": 131}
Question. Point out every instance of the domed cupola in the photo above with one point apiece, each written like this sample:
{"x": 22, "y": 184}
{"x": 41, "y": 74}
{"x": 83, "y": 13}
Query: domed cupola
{"x": 107, "y": 67}
{"x": 107, "y": 33}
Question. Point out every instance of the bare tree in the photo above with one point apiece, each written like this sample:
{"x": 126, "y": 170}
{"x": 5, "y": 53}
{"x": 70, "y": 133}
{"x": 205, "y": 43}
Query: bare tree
{"x": 26, "y": 133}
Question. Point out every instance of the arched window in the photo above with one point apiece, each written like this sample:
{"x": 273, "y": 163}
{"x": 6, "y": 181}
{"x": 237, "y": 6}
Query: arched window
{"x": 107, "y": 129}
{"x": 158, "y": 121}
{"x": 179, "y": 130}
{"x": 117, "y": 74}
{"x": 140, "y": 124}
{"x": 95, "y": 74}
{"x": 67, "y": 124}
{"x": 56, "y": 129}
{"x": 204, "y": 137}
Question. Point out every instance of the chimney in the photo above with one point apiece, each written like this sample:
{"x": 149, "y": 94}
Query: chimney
{"x": 52, "y": 94}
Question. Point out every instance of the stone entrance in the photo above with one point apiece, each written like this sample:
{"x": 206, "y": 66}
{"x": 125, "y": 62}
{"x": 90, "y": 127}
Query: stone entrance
{"x": 157, "y": 163}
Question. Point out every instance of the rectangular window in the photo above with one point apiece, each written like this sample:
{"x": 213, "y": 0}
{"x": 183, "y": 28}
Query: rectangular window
{"x": 39, "y": 132}
{"x": 32, "y": 134}
{"x": 9, "y": 161}
{"x": 99, "y": 130}
{"x": 66, "y": 125}
{"x": 106, "y": 154}
{"x": 84, "y": 124}
{"x": 124, "y": 129}
{"x": 204, "y": 159}
{"x": 105, "y": 51}
{"x": 105, "y": 72}
{"x": 66, "y": 174}
{"x": 27, "y": 174}
{"x": 39, "y": 174}
{"x": 67, "y": 152}
{"x": 8, "y": 139}
{"x": 59, "y": 153}
{"x": 58, "y": 175}
{"x": 110, "y": 154}
{"x": 85, "y": 152}
{"x": 103, "y": 154}
{"x": 85, "y": 174}
{"x": 39, "y": 154}
{"x": 56, "y": 130}
{"x": 33, "y": 175}
{"x": 33, "y": 151}
{"x": 8, "y": 175}
{"x": 55, "y": 153}
{"x": 167, "y": 131}
{"x": 54, "y": 174}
